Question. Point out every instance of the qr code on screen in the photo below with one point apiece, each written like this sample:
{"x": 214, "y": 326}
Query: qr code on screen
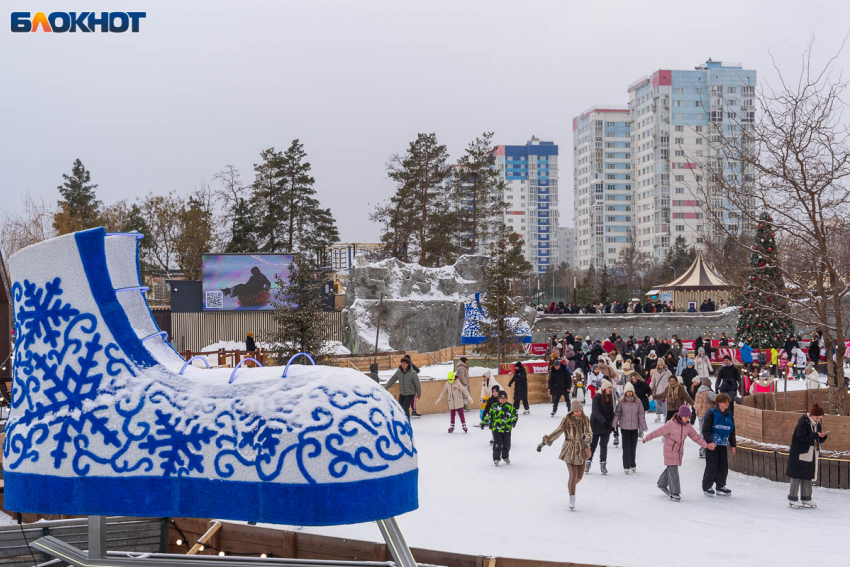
{"x": 214, "y": 300}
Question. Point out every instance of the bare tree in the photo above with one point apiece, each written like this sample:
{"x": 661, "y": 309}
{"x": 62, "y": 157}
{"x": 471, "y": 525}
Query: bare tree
{"x": 231, "y": 189}
{"x": 793, "y": 163}
{"x": 31, "y": 225}
{"x": 162, "y": 215}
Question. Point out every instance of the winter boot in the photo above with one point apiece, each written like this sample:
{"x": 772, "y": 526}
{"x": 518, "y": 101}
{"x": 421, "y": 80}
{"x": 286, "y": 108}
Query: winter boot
{"x": 602, "y": 467}
{"x": 587, "y": 466}
{"x": 724, "y": 491}
{"x": 709, "y": 492}
{"x": 573, "y": 502}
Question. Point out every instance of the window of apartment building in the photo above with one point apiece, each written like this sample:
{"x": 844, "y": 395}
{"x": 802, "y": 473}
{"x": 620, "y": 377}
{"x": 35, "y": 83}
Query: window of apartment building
{"x": 680, "y": 190}
{"x": 679, "y": 128}
{"x": 680, "y": 178}
{"x": 678, "y": 102}
{"x": 699, "y": 90}
{"x": 680, "y": 228}
{"x": 731, "y": 89}
{"x": 679, "y": 141}
{"x": 717, "y": 89}
{"x": 678, "y": 90}
{"x": 698, "y": 103}
{"x": 680, "y": 153}
{"x": 698, "y": 178}
{"x": 699, "y": 141}
{"x": 698, "y": 128}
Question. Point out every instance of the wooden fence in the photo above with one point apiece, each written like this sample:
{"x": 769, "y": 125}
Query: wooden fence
{"x": 253, "y": 541}
{"x": 194, "y": 331}
{"x": 771, "y": 464}
{"x": 122, "y": 533}
{"x": 389, "y": 360}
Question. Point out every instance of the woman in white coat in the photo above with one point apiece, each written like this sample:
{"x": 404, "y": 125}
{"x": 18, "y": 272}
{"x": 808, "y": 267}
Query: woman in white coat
{"x": 702, "y": 364}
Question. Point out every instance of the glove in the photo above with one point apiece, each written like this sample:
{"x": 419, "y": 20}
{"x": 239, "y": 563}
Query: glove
{"x": 539, "y": 447}
{"x": 481, "y": 426}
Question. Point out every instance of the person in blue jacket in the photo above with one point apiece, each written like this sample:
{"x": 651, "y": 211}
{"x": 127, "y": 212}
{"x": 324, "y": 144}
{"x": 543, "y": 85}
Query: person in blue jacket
{"x": 746, "y": 356}
{"x": 718, "y": 427}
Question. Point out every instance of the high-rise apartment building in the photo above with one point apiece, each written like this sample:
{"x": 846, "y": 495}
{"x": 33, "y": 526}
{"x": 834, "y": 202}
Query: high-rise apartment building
{"x": 602, "y": 183}
{"x": 566, "y": 245}
{"x": 678, "y": 119}
{"x": 530, "y": 173}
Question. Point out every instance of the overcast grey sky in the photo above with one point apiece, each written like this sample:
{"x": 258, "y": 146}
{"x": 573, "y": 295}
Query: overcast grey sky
{"x": 210, "y": 83}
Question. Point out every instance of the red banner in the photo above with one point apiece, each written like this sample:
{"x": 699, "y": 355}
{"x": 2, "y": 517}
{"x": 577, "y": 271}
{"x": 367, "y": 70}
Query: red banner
{"x": 538, "y": 349}
{"x": 530, "y": 368}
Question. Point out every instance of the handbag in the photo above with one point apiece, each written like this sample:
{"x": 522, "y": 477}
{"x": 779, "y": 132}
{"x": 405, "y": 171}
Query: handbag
{"x": 809, "y": 455}
{"x": 587, "y": 453}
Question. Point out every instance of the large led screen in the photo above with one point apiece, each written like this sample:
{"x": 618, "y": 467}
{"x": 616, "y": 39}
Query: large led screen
{"x": 236, "y": 282}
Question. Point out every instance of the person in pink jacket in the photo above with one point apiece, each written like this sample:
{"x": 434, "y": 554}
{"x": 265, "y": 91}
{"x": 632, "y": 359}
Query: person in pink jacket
{"x": 675, "y": 431}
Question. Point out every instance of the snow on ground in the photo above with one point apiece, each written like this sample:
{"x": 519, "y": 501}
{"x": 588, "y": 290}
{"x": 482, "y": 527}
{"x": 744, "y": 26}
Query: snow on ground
{"x": 467, "y": 505}
{"x": 435, "y": 371}
{"x": 330, "y": 347}
{"x": 7, "y": 520}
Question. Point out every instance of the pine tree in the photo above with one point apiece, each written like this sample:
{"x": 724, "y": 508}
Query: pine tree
{"x": 79, "y": 207}
{"x": 243, "y": 229}
{"x": 506, "y": 263}
{"x": 297, "y": 311}
{"x": 420, "y": 209}
{"x": 679, "y": 258}
{"x": 478, "y": 187}
{"x": 765, "y": 287}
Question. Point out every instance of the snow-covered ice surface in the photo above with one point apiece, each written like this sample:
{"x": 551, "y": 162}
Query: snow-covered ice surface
{"x": 436, "y": 371}
{"x": 467, "y": 505}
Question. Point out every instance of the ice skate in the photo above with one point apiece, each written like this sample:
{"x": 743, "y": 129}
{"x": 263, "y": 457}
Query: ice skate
{"x": 701, "y": 453}
{"x": 616, "y": 441}
{"x": 795, "y": 504}
{"x": 552, "y": 414}
{"x": 722, "y": 490}
{"x": 115, "y": 406}
{"x": 587, "y": 466}
{"x": 506, "y": 460}
{"x": 573, "y": 502}
{"x": 634, "y": 470}
{"x": 602, "y": 467}
{"x": 808, "y": 504}
{"x": 627, "y": 471}
{"x": 664, "y": 490}
{"x": 709, "y": 492}
{"x": 451, "y": 429}
{"x": 526, "y": 412}
{"x": 496, "y": 462}
{"x": 414, "y": 415}
{"x": 657, "y": 418}
{"x": 675, "y": 498}
{"x": 465, "y": 430}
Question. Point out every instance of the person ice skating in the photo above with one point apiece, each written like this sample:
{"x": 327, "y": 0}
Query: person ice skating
{"x": 409, "y": 389}
{"x": 803, "y": 457}
{"x": 501, "y": 417}
{"x": 690, "y": 379}
{"x": 813, "y": 381}
{"x": 488, "y": 384}
{"x": 576, "y": 450}
{"x": 674, "y": 397}
{"x": 559, "y": 384}
{"x": 728, "y": 378}
{"x": 457, "y": 396}
{"x": 718, "y": 427}
{"x": 703, "y": 403}
{"x": 630, "y": 417}
{"x": 462, "y": 374}
{"x": 658, "y": 382}
{"x": 642, "y": 389}
{"x": 675, "y": 432}
{"x": 579, "y": 390}
{"x": 702, "y": 364}
{"x": 520, "y": 384}
{"x": 764, "y": 384}
{"x": 250, "y": 345}
{"x": 799, "y": 363}
{"x": 594, "y": 380}
{"x": 601, "y": 421}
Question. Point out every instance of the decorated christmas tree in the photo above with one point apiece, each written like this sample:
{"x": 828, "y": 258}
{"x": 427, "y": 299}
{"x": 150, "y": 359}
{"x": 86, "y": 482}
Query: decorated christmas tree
{"x": 760, "y": 323}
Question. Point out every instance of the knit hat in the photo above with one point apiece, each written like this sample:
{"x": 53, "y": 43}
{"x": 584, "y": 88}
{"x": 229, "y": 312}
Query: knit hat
{"x": 690, "y": 362}
{"x": 587, "y": 338}
{"x": 629, "y": 388}
{"x": 576, "y": 406}
{"x": 606, "y": 384}
{"x": 503, "y": 394}
{"x": 488, "y": 373}
{"x": 556, "y": 362}
{"x": 518, "y": 364}
{"x": 684, "y": 412}
{"x": 450, "y": 377}
{"x": 816, "y": 410}
{"x": 705, "y": 382}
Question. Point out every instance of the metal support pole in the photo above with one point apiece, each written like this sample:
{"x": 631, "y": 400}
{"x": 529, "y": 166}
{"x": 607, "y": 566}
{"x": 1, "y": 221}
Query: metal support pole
{"x": 97, "y": 537}
{"x": 396, "y": 544}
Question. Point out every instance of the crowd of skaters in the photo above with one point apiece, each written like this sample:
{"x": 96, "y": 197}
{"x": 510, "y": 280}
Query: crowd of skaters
{"x": 624, "y": 380}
